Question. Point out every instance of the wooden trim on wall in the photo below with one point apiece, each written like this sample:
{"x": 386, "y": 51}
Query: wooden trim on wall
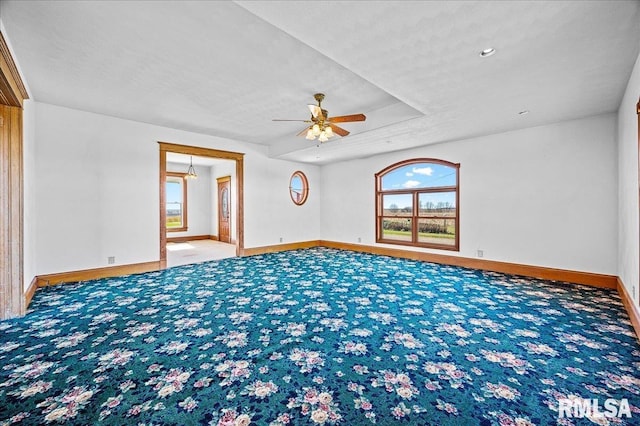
{"x": 577, "y": 277}
{"x": 632, "y": 310}
{"x": 202, "y": 152}
{"x": 28, "y": 296}
{"x": 638, "y": 212}
{"x": 190, "y": 238}
{"x": 12, "y": 96}
{"x": 591, "y": 279}
{"x": 199, "y": 151}
{"x": 541, "y": 272}
{"x": 280, "y": 247}
{"x": 163, "y": 208}
{"x": 239, "y": 240}
{"x": 12, "y": 301}
{"x": 12, "y": 89}
{"x": 92, "y": 274}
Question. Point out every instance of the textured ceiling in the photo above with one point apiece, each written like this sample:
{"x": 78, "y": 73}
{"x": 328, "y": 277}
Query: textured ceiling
{"x": 229, "y": 68}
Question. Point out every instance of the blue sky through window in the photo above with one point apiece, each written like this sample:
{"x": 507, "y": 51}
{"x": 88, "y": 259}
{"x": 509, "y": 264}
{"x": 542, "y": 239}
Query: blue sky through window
{"x": 174, "y": 192}
{"x": 419, "y": 175}
{"x": 416, "y": 176}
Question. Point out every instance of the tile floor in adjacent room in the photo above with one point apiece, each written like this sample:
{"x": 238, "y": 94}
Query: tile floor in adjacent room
{"x": 198, "y": 251}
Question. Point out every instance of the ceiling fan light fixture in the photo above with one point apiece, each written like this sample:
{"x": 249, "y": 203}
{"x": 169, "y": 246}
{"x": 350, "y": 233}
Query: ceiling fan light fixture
{"x": 328, "y": 131}
{"x": 310, "y": 135}
{"x": 322, "y": 125}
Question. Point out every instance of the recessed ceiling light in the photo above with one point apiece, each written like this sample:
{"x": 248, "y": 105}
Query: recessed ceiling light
{"x": 487, "y": 52}
{"x": 524, "y": 112}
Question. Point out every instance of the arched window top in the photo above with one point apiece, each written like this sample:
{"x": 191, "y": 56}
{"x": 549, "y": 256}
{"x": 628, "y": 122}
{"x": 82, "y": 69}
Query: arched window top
{"x": 418, "y": 173}
{"x": 417, "y": 204}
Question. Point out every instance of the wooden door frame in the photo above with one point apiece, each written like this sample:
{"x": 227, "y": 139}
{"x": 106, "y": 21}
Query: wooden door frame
{"x": 220, "y": 180}
{"x": 201, "y": 152}
{"x": 638, "y": 113}
{"x": 13, "y": 300}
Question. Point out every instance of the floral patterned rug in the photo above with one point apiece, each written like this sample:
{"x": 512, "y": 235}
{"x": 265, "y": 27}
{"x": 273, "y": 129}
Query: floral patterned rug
{"x": 317, "y": 336}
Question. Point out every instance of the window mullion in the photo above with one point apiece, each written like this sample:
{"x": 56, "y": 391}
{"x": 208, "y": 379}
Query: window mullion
{"x": 414, "y": 231}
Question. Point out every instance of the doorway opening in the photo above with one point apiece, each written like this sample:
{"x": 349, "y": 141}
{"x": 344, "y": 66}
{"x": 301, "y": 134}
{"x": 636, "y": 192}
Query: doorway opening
{"x": 199, "y": 217}
{"x": 185, "y": 243}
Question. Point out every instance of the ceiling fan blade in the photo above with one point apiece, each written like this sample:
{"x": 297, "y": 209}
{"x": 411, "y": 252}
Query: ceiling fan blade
{"x": 315, "y": 110}
{"x": 304, "y": 121}
{"x": 338, "y": 130}
{"x": 304, "y": 132}
{"x": 347, "y": 118}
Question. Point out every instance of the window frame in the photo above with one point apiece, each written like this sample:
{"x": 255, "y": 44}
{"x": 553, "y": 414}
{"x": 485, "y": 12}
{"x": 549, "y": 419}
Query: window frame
{"x": 305, "y": 188}
{"x": 415, "y": 214}
{"x": 182, "y": 177}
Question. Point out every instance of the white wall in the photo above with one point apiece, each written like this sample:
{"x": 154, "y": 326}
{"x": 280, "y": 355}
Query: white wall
{"x": 542, "y": 196}
{"x": 556, "y": 185}
{"x": 628, "y": 250}
{"x": 91, "y": 168}
{"x": 29, "y": 206}
{"x": 271, "y": 202}
{"x": 198, "y": 201}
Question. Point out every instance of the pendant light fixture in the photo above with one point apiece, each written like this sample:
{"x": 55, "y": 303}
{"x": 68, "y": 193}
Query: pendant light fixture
{"x": 191, "y": 172}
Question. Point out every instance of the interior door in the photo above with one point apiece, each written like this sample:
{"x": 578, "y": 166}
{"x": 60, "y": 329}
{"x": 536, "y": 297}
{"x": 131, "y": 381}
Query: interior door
{"x": 224, "y": 209}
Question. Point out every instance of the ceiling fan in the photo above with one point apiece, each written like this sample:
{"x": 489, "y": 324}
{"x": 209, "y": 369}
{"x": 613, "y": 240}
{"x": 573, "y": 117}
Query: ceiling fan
{"x": 322, "y": 126}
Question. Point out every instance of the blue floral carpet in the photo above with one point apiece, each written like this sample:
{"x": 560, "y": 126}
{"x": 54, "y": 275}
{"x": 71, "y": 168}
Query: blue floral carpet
{"x": 316, "y": 336}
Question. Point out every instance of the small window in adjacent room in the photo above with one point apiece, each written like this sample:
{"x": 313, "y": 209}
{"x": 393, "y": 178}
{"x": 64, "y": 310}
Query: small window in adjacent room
{"x": 176, "y": 196}
{"x": 298, "y": 188}
{"x": 417, "y": 204}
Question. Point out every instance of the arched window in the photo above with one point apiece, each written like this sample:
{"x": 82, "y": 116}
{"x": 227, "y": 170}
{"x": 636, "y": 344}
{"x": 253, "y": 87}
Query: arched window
{"x": 417, "y": 204}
